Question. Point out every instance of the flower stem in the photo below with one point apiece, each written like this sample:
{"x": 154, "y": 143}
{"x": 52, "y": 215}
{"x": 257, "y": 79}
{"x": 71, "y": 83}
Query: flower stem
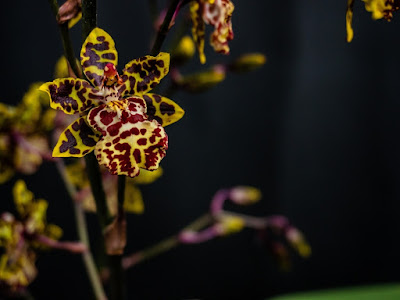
{"x": 164, "y": 28}
{"x": 164, "y": 245}
{"x": 96, "y": 184}
{"x": 83, "y": 235}
{"x": 66, "y": 40}
{"x": 89, "y": 17}
{"x": 117, "y": 279}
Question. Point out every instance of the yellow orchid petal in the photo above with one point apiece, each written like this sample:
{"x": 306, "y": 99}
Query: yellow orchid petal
{"x": 74, "y": 20}
{"x": 23, "y": 198}
{"x": 97, "y": 50}
{"x": 144, "y": 74}
{"x": 53, "y": 231}
{"x": 6, "y": 172}
{"x": 76, "y": 174}
{"x": 36, "y": 222}
{"x": 61, "y": 69}
{"x": 28, "y": 160}
{"x": 198, "y": 29}
{"x": 77, "y": 140}
{"x": 349, "y": 20}
{"x": 71, "y": 95}
{"x": 133, "y": 199}
{"x": 147, "y": 177}
{"x": 162, "y": 109}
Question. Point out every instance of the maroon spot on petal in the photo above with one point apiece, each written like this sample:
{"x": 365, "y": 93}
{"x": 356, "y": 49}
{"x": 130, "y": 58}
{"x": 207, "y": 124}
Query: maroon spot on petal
{"x": 113, "y": 130}
{"x": 61, "y": 95}
{"x": 142, "y": 141}
{"x": 85, "y": 132}
{"x": 107, "y": 117}
{"x": 69, "y": 144}
{"x": 166, "y": 108}
{"x": 157, "y": 98}
{"x": 134, "y": 131}
{"x": 110, "y": 56}
{"x": 108, "y": 144}
{"x": 136, "y": 155}
{"x": 143, "y": 131}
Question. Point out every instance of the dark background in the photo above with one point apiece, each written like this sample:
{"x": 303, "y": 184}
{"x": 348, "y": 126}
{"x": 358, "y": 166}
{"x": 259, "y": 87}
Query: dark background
{"x": 316, "y": 129}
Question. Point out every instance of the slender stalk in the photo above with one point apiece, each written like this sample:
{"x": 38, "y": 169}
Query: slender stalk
{"x": 89, "y": 17}
{"x": 164, "y": 28}
{"x": 80, "y": 221}
{"x": 66, "y": 40}
{"x": 165, "y": 245}
{"x": 96, "y": 184}
{"x": 117, "y": 279}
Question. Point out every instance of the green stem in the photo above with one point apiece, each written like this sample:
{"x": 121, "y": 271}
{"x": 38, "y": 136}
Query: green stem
{"x": 164, "y": 28}
{"x": 66, "y": 40}
{"x": 117, "y": 279}
{"x": 83, "y": 235}
{"x": 89, "y": 17}
{"x": 96, "y": 184}
{"x": 165, "y": 245}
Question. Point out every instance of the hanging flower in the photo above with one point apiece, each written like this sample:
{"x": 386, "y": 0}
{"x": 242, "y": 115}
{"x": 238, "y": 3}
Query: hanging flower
{"x": 24, "y": 133}
{"x": 379, "y": 9}
{"x": 217, "y": 13}
{"x": 20, "y": 238}
{"x": 120, "y": 119}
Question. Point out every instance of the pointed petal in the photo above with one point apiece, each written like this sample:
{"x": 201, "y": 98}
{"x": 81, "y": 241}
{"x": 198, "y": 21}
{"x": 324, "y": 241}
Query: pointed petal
{"x": 349, "y": 20}
{"x": 162, "y": 109}
{"x": 133, "y": 202}
{"x": 129, "y": 141}
{"x": 97, "y": 50}
{"x": 143, "y": 74}
{"x": 77, "y": 140}
{"x": 147, "y": 177}
{"x": 198, "y": 29}
{"x": 23, "y": 198}
{"x": 71, "y": 95}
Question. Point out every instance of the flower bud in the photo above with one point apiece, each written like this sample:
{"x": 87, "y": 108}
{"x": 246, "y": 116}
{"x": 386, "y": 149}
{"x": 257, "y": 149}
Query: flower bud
{"x": 248, "y": 62}
{"x": 298, "y": 242}
{"x": 245, "y": 195}
{"x": 71, "y": 12}
{"x": 202, "y": 81}
{"x": 230, "y": 224}
{"x": 183, "y": 51}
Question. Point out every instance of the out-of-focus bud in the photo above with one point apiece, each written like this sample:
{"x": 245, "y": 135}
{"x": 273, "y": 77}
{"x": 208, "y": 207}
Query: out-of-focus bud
{"x": 147, "y": 177}
{"x": 71, "y": 12}
{"x": 183, "y": 51}
{"x": 298, "y": 242}
{"x": 62, "y": 68}
{"x": 248, "y": 62}
{"x": 202, "y": 81}
{"x": 230, "y": 224}
{"x": 245, "y": 195}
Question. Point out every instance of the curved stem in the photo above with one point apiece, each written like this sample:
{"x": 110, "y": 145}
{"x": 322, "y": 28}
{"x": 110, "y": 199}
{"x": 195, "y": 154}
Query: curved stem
{"x": 66, "y": 40}
{"x": 80, "y": 221}
{"x": 165, "y": 245}
{"x": 164, "y": 28}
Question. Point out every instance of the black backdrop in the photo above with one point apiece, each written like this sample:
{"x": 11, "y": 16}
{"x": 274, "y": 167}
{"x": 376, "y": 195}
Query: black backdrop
{"x": 316, "y": 130}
